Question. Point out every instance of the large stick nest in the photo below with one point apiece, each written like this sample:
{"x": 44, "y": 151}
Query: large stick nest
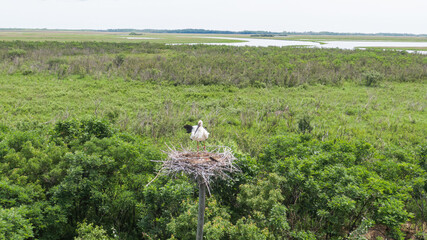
{"x": 202, "y": 166}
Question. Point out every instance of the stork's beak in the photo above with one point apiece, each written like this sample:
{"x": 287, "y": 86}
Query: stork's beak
{"x": 196, "y": 129}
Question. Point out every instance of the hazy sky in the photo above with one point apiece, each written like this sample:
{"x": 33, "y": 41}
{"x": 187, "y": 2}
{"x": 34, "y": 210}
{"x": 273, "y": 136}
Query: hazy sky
{"x": 368, "y": 16}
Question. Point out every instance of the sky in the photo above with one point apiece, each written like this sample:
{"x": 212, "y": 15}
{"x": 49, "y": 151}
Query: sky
{"x": 364, "y": 16}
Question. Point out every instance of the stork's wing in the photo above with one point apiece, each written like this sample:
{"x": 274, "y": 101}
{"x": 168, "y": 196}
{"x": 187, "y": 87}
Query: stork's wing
{"x": 188, "y": 128}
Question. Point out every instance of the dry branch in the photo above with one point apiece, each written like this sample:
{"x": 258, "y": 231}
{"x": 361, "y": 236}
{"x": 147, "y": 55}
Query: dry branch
{"x": 205, "y": 166}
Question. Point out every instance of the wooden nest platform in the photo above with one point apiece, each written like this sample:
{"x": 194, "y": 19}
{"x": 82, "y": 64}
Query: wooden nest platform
{"x": 202, "y": 166}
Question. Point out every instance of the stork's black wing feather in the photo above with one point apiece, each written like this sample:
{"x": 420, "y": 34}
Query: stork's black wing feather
{"x": 188, "y": 128}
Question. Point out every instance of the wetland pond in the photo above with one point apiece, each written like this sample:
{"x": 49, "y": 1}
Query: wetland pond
{"x": 254, "y": 42}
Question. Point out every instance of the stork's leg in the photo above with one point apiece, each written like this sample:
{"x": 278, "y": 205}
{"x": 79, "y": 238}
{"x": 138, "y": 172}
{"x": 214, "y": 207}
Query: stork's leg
{"x": 197, "y": 145}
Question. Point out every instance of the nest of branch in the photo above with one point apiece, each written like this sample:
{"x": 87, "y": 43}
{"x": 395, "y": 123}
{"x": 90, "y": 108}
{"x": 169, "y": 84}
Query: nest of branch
{"x": 202, "y": 166}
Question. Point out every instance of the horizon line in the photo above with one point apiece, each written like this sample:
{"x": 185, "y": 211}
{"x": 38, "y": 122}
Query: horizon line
{"x": 202, "y": 30}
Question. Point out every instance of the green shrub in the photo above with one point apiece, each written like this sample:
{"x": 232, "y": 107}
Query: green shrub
{"x": 303, "y": 235}
{"x": 81, "y": 71}
{"x": 82, "y": 130}
{"x": 18, "y": 139}
{"x": 91, "y": 232}
{"x": 14, "y": 225}
{"x": 56, "y": 62}
{"x": 4, "y": 149}
{"x": 420, "y": 236}
{"x": 334, "y": 181}
{"x": 240, "y": 67}
{"x": 95, "y": 127}
{"x": 119, "y": 60}
{"x": 63, "y": 70}
{"x": 16, "y": 52}
{"x": 26, "y": 70}
{"x": 304, "y": 124}
{"x": 372, "y": 78}
{"x": 67, "y": 130}
{"x": 247, "y": 229}
{"x": 259, "y": 84}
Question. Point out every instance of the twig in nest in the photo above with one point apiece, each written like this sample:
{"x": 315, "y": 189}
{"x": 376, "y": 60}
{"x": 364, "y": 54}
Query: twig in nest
{"x": 205, "y": 166}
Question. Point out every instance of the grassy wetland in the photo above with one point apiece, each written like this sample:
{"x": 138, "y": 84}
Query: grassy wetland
{"x": 68, "y": 36}
{"x": 331, "y": 143}
{"x": 177, "y": 38}
{"x": 355, "y": 38}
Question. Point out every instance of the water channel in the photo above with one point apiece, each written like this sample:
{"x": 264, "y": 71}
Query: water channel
{"x": 254, "y": 42}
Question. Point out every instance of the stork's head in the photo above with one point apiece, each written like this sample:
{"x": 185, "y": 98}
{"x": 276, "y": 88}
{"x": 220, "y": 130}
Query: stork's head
{"x": 200, "y": 123}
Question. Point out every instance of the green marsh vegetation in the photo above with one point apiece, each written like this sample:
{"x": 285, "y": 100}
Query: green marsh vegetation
{"x": 403, "y": 48}
{"x": 331, "y": 143}
{"x": 209, "y": 65}
{"x": 175, "y": 36}
{"x": 355, "y": 38}
{"x": 69, "y": 36}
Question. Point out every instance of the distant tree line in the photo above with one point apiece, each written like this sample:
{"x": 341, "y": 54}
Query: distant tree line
{"x": 207, "y": 31}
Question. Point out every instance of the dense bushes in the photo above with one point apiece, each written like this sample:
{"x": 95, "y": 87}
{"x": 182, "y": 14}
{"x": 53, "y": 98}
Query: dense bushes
{"x": 83, "y": 179}
{"x": 13, "y": 225}
{"x": 339, "y": 184}
{"x": 372, "y": 78}
{"x": 15, "y": 52}
{"x": 82, "y": 131}
{"x": 207, "y": 65}
{"x": 58, "y": 183}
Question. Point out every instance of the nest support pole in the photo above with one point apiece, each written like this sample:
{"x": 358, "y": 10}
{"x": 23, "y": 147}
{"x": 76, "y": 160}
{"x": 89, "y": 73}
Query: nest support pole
{"x": 201, "y": 166}
{"x": 201, "y": 215}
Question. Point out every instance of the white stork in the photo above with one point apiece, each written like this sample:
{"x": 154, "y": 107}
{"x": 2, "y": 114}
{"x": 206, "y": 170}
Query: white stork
{"x": 198, "y": 133}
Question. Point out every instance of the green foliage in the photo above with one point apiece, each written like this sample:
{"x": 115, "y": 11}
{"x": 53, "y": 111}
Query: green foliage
{"x": 208, "y": 65}
{"x": 161, "y": 202}
{"x": 18, "y": 139}
{"x": 420, "y": 236}
{"x": 304, "y": 124}
{"x": 119, "y": 60}
{"x": 263, "y": 202}
{"x": 372, "y": 78}
{"x": 16, "y": 52}
{"x": 14, "y": 195}
{"x": 361, "y": 230}
{"x": 63, "y": 70}
{"x": 54, "y": 63}
{"x": 90, "y": 232}
{"x": 14, "y": 225}
{"x": 98, "y": 176}
{"x": 217, "y": 224}
{"x": 317, "y": 161}
{"x": 4, "y": 149}
{"x": 303, "y": 235}
{"x": 391, "y": 212}
{"x": 298, "y": 187}
{"x": 247, "y": 229}
{"x": 158, "y": 112}
{"x": 27, "y": 70}
{"x": 326, "y": 183}
{"x": 82, "y": 131}
{"x": 263, "y": 196}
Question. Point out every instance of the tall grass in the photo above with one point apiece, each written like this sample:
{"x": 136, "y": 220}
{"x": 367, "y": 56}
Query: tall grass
{"x": 207, "y": 65}
{"x": 246, "y": 118}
